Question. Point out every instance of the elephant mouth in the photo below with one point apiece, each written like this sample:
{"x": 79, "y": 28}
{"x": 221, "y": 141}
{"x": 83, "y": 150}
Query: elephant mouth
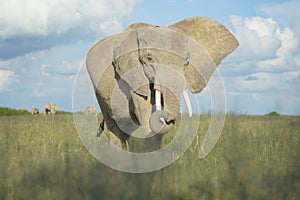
{"x": 159, "y": 101}
{"x": 159, "y": 121}
{"x": 170, "y": 122}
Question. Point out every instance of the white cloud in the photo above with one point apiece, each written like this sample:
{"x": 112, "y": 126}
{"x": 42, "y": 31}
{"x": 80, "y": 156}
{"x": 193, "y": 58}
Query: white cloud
{"x": 256, "y": 37}
{"x": 43, "y": 76}
{"x": 63, "y": 67}
{"x": 265, "y": 69}
{"x": 32, "y": 25}
{"x": 43, "y": 43}
{"x": 262, "y": 82}
{"x": 286, "y": 13}
{"x": 60, "y": 60}
{"x": 7, "y": 77}
{"x": 45, "y": 17}
{"x": 264, "y": 46}
{"x": 288, "y": 52}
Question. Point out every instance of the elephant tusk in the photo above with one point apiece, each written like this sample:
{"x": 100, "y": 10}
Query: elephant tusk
{"x": 157, "y": 100}
{"x": 162, "y": 120}
{"x": 187, "y": 102}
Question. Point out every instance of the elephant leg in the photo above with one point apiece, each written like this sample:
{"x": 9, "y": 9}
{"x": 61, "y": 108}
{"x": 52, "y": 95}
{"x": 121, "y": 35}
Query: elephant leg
{"x": 116, "y": 135}
{"x": 120, "y": 142}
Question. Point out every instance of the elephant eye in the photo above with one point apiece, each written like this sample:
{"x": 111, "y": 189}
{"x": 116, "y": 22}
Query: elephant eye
{"x": 187, "y": 60}
{"x": 141, "y": 95}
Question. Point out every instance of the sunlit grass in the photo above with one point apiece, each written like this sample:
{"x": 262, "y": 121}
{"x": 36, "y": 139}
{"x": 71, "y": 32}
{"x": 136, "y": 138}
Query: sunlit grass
{"x": 256, "y": 157}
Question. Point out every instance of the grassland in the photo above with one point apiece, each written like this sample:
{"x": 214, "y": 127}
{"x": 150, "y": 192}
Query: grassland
{"x": 257, "y": 157}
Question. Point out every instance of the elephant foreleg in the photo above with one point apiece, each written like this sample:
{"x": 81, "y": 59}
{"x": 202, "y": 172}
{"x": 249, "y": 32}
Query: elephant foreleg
{"x": 120, "y": 142}
{"x": 116, "y": 135}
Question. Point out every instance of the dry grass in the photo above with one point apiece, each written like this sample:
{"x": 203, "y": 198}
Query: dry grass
{"x": 257, "y": 157}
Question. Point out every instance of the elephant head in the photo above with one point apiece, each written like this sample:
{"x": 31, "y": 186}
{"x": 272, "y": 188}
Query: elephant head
{"x": 50, "y": 108}
{"x": 90, "y": 110}
{"x": 140, "y": 74}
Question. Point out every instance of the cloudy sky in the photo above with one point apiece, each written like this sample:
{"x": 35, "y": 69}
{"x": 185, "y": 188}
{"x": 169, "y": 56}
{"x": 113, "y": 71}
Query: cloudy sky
{"x": 44, "y": 42}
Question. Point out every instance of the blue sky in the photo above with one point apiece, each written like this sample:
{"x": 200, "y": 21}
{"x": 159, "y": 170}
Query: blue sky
{"x": 43, "y": 43}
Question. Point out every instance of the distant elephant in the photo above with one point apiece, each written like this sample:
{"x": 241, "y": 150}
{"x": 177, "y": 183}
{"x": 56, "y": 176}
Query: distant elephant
{"x": 90, "y": 110}
{"x": 22, "y": 109}
{"x": 50, "y": 108}
{"x": 140, "y": 74}
{"x": 34, "y": 111}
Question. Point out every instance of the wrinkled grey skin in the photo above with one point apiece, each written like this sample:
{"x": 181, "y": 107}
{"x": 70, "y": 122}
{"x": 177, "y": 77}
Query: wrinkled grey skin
{"x": 127, "y": 87}
{"x": 35, "y": 111}
{"x": 50, "y": 108}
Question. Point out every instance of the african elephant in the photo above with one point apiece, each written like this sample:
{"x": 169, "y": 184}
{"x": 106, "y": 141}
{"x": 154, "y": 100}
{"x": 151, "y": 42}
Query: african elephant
{"x": 90, "y": 110}
{"x": 50, "y": 108}
{"x": 22, "y": 109}
{"x": 140, "y": 74}
{"x": 34, "y": 111}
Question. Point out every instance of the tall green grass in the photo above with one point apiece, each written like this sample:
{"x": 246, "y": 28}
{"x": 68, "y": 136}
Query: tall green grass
{"x": 11, "y": 111}
{"x": 4, "y": 111}
{"x": 257, "y": 157}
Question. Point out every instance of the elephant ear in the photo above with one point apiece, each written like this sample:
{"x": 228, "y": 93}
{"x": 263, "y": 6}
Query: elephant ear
{"x": 115, "y": 56}
{"x": 139, "y": 25}
{"x": 99, "y": 58}
{"x": 211, "y": 42}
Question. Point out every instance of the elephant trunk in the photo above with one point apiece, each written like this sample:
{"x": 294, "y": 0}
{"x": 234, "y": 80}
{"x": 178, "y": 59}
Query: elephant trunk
{"x": 159, "y": 122}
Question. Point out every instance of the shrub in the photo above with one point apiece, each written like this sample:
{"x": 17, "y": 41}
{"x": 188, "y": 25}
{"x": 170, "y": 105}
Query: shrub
{"x": 60, "y": 112}
{"x": 10, "y": 111}
{"x": 273, "y": 114}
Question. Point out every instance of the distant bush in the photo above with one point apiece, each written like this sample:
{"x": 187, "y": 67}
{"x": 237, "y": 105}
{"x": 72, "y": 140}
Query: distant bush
{"x": 10, "y": 111}
{"x": 60, "y": 112}
{"x": 4, "y": 111}
{"x": 273, "y": 114}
